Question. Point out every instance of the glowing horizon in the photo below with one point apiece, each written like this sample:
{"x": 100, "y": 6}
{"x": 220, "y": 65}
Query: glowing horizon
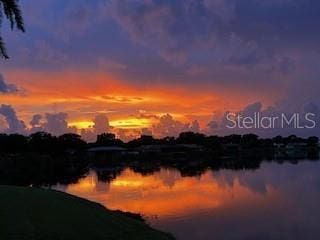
{"x": 135, "y": 66}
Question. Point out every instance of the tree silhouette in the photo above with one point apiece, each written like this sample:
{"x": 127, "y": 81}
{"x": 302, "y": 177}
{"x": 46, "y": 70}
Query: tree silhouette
{"x": 11, "y": 10}
{"x": 108, "y": 139}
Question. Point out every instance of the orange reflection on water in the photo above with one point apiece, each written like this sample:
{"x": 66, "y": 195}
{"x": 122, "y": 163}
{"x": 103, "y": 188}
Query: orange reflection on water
{"x": 165, "y": 193}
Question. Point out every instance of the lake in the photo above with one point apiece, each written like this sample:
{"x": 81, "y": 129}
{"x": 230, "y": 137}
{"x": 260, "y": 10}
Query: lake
{"x": 276, "y": 201}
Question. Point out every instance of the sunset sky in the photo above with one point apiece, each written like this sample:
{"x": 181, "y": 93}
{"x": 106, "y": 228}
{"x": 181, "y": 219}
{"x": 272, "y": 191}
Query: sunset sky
{"x": 134, "y": 61}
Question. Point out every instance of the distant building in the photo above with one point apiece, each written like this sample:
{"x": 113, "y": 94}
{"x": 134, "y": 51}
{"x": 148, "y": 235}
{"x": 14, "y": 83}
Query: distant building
{"x": 279, "y": 145}
{"x": 167, "y": 148}
{"x": 296, "y": 146}
{"x": 296, "y": 150}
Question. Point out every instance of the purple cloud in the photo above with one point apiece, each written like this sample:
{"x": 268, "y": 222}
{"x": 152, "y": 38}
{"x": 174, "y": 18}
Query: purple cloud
{"x": 7, "y": 88}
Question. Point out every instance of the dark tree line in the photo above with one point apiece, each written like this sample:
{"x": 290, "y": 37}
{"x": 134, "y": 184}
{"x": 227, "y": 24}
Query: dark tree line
{"x": 41, "y": 159}
{"x": 43, "y": 142}
{"x": 44, "y": 159}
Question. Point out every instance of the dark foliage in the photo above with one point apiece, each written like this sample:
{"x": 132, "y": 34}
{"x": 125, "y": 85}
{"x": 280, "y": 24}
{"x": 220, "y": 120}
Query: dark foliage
{"x": 44, "y": 159}
{"x": 42, "y": 142}
{"x": 108, "y": 139}
{"x": 10, "y": 10}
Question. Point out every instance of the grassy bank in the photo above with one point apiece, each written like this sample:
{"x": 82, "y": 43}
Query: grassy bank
{"x": 30, "y": 213}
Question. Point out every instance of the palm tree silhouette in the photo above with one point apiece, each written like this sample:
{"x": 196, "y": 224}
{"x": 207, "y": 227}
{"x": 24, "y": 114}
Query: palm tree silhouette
{"x": 11, "y": 10}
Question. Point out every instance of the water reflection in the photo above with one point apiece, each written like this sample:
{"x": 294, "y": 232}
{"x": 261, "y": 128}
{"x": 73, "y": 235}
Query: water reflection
{"x": 274, "y": 202}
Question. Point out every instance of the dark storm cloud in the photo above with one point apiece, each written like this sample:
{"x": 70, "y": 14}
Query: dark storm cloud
{"x": 173, "y": 28}
{"x": 209, "y": 35}
{"x": 182, "y": 29}
{"x": 252, "y": 43}
{"x": 239, "y": 32}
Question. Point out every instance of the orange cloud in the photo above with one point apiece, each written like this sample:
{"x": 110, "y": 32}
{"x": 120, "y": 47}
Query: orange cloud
{"x": 83, "y": 94}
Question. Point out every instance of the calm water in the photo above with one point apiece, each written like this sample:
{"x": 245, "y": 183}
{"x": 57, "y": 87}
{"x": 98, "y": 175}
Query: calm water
{"x": 273, "y": 202}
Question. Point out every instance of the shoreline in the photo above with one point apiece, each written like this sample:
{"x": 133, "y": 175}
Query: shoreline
{"x": 35, "y": 213}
